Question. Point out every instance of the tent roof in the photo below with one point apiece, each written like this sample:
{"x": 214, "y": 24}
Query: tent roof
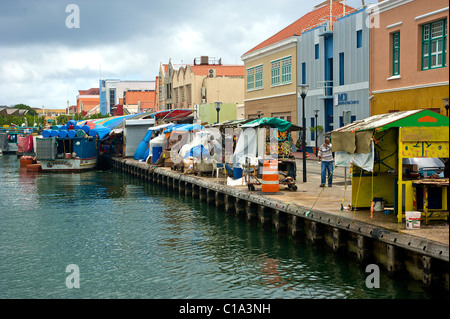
{"x": 423, "y": 118}
{"x": 281, "y": 125}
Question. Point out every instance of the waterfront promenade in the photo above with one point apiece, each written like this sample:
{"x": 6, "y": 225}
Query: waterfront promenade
{"x": 316, "y": 213}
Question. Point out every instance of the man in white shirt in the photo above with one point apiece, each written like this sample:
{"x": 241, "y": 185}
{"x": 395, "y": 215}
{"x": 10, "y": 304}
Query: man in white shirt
{"x": 326, "y": 156}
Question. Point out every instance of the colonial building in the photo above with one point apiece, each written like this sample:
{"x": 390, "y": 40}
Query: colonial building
{"x": 207, "y": 81}
{"x": 408, "y": 56}
{"x": 271, "y": 67}
{"x": 160, "y": 86}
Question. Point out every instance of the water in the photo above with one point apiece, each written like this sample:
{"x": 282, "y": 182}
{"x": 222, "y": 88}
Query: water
{"x": 131, "y": 239}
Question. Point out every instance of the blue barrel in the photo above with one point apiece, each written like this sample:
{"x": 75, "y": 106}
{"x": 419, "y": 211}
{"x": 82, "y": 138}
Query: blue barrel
{"x": 237, "y": 172}
{"x": 93, "y": 133}
{"x": 156, "y": 153}
{"x": 64, "y": 127}
{"x": 46, "y": 133}
{"x": 80, "y": 133}
{"x": 77, "y": 127}
{"x": 63, "y": 133}
{"x": 71, "y": 133}
{"x": 54, "y": 133}
{"x": 86, "y": 128}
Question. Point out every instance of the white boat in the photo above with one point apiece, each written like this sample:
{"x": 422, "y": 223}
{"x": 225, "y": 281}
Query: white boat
{"x": 67, "y": 154}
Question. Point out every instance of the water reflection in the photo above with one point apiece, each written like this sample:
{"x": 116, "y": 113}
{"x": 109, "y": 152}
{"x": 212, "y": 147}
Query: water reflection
{"x": 133, "y": 239}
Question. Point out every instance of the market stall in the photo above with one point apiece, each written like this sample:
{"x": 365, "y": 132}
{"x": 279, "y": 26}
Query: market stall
{"x": 377, "y": 148}
{"x": 254, "y": 147}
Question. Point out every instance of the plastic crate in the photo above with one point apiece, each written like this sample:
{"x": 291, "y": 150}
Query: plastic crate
{"x": 45, "y": 148}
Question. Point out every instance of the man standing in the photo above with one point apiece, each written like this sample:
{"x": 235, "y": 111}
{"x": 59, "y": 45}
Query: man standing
{"x": 326, "y": 156}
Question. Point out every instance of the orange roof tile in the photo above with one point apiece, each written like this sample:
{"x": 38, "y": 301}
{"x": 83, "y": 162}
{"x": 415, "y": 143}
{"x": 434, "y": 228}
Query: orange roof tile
{"x": 308, "y": 21}
{"x": 221, "y": 70}
{"x": 92, "y": 91}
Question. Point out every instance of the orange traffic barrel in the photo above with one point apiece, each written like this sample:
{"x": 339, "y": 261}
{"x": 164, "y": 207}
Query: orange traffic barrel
{"x": 270, "y": 181}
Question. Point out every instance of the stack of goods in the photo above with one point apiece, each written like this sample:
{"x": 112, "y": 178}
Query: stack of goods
{"x": 71, "y": 130}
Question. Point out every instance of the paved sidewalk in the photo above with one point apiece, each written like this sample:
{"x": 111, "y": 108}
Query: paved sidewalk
{"x": 329, "y": 200}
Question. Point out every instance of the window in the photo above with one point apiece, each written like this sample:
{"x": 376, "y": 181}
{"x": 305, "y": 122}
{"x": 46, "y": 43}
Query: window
{"x": 316, "y": 51}
{"x": 259, "y": 76}
{"x": 282, "y": 71}
{"x": 276, "y": 72}
{"x": 250, "y": 78}
{"x": 341, "y": 68}
{"x": 359, "y": 38}
{"x": 303, "y": 73}
{"x": 396, "y": 53}
{"x": 434, "y": 37}
{"x": 286, "y": 64}
{"x": 313, "y": 124}
{"x": 112, "y": 97}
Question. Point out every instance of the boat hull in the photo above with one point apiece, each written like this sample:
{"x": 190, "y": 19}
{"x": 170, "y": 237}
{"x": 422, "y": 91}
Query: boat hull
{"x": 69, "y": 164}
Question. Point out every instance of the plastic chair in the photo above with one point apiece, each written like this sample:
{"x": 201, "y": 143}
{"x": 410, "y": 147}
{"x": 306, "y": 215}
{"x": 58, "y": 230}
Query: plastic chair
{"x": 217, "y": 167}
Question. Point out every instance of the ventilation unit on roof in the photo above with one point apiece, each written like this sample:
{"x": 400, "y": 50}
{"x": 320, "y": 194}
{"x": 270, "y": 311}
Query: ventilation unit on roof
{"x": 212, "y": 73}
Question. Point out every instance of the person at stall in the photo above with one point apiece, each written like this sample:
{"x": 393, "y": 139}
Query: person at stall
{"x": 325, "y": 155}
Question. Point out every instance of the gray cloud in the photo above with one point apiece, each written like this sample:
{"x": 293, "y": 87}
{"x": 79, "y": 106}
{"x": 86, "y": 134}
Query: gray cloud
{"x": 44, "y": 63}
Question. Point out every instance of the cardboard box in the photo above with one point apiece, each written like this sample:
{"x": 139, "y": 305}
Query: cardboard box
{"x": 168, "y": 163}
{"x": 165, "y": 154}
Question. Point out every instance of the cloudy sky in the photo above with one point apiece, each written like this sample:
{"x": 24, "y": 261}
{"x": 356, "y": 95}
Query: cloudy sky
{"x": 42, "y": 62}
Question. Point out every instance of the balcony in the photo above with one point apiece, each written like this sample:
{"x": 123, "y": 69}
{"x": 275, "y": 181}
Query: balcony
{"x": 327, "y": 87}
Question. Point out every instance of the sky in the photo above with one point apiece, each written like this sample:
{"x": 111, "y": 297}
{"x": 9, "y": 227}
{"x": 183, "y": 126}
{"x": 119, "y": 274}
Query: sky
{"x": 45, "y": 60}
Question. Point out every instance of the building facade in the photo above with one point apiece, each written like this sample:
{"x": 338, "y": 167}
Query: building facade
{"x": 137, "y": 101}
{"x": 112, "y": 92}
{"x": 87, "y": 100}
{"x": 334, "y": 63}
{"x": 207, "y": 81}
{"x": 409, "y": 63}
{"x": 272, "y": 72}
{"x": 160, "y": 86}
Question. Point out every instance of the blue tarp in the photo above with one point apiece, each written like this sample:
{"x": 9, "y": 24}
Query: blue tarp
{"x": 198, "y": 151}
{"x": 140, "y": 151}
{"x": 102, "y": 131}
{"x": 183, "y": 128}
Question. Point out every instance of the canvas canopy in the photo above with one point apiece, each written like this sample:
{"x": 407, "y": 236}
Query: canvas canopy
{"x": 273, "y": 122}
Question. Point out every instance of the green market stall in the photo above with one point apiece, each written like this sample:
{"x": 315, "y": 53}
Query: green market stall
{"x": 375, "y": 149}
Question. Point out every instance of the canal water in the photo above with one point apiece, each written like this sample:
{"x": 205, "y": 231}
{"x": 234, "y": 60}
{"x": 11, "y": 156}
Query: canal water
{"x": 131, "y": 239}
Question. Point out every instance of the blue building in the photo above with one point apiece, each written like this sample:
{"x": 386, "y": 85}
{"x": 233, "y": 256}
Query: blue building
{"x": 333, "y": 59}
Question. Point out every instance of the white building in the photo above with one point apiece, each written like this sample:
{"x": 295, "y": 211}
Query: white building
{"x": 111, "y": 92}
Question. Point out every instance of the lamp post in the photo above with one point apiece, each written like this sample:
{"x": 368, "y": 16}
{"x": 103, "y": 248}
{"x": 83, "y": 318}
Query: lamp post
{"x": 445, "y": 105}
{"x": 218, "y": 110}
{"x": 302, "y": 91}
{"x": 316, "y": 114}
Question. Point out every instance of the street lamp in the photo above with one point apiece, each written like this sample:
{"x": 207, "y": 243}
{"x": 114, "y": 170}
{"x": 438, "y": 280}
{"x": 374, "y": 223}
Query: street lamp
{"x": 445, "y": 105}
{"x": 302, "y": 91}
{"x": 218, "y": 110}
{"x": 316, "y": 114}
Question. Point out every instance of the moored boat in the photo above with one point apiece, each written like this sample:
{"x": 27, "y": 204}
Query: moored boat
{"x": 69, "y": 154}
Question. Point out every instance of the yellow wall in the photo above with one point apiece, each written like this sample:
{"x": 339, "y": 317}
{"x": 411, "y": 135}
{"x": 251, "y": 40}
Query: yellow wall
{"x": 267, "y": 89}
{"x": 404, "y": 100}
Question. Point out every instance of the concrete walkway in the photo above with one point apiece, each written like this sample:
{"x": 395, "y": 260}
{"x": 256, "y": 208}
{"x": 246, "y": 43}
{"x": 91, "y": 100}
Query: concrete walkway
{"x": 329, "y": 200}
